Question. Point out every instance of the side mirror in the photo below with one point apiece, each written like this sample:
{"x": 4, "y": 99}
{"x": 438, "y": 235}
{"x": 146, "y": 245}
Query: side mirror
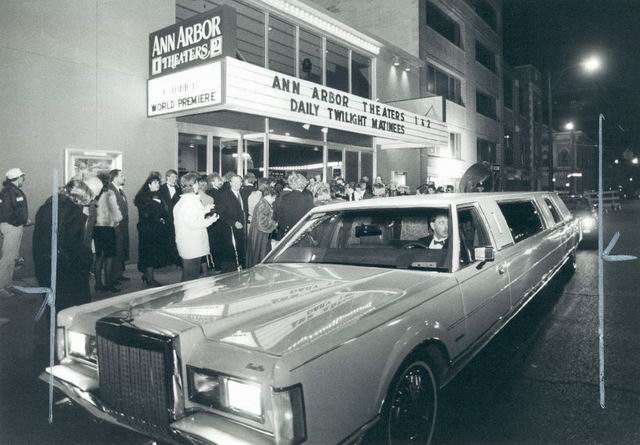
{"x": 484, "y": 253}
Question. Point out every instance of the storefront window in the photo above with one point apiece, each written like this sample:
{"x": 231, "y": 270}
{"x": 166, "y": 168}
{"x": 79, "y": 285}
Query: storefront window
{"x": 360, "y": 75}
{"x": 366, "y": 168}
{"x": 281, "y": 46}
{"x": 288, "y": 157}
{"x": 228, "y": 155}
{"x": 192, "y": 153}
{"x": 334, "y": 164}
{"x": 310, "y": 57}
{"x": 253, "y": 158}
{"x": 351, "y": 169}
{"x": 337, "y": 66}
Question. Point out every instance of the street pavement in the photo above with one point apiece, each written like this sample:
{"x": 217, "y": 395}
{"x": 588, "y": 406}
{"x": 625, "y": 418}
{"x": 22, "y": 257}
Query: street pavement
{"x": 535, "y": 383}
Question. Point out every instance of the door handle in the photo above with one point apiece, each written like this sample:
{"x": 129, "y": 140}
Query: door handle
{"x": 501, "y": 269}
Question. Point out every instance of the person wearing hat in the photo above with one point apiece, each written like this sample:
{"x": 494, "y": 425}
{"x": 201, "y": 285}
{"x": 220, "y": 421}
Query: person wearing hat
{"x": 14, "y": 215}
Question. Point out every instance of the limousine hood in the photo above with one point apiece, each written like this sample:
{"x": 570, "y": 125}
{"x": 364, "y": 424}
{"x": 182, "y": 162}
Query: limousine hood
{"x": 276, "y": 308}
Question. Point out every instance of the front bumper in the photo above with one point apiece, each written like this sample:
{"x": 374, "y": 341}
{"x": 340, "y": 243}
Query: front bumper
{"x": 199, "y": 428}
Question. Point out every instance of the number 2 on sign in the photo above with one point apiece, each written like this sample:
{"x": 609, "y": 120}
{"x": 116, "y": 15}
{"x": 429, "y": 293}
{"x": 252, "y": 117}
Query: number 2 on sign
{"x": 422, "y": 121}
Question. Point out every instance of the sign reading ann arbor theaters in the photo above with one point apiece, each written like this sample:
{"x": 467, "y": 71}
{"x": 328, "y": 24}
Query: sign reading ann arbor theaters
{"x": 256, "y": 90}
{"x": 191, "y": 42}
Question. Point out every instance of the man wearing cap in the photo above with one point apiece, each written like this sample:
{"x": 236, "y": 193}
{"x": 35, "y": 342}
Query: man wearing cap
{"x": 14, "y": 215}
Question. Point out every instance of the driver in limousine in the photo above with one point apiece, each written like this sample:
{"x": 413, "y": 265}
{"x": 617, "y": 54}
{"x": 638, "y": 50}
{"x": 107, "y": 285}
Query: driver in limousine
{"x": 439, "y": 239}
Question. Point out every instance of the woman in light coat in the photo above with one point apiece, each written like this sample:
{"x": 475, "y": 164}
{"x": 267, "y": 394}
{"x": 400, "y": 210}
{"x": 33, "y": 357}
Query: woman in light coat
{"x": 108, "y": 216}
{"x": 191, "y": 220}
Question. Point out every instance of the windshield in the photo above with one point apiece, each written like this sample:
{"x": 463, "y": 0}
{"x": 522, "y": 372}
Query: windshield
{"x": 389, "y": 238}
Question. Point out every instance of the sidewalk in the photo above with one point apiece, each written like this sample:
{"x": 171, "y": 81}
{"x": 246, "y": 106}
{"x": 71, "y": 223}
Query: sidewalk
{"x": 166, "y": 275}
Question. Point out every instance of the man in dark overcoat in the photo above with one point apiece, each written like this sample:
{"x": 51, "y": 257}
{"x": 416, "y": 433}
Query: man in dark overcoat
{"x": 233, "y": 226}
{"x": 170, "y": 193}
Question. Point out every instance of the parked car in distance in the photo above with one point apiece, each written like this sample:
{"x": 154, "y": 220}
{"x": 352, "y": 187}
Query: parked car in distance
{"x": 586, "y": 214}
{"x": 350, "y": 327}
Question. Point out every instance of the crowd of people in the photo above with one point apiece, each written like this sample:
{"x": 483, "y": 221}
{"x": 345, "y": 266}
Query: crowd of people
{"x": 206, "y": 224}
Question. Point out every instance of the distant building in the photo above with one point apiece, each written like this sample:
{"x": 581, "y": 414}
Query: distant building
{"x": 526, "y": 134}
{"x": 575, "y": 166}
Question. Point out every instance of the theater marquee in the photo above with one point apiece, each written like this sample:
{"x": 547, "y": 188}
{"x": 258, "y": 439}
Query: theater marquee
{"x": 193, "y": 69}
{"x": 256, "y": 90}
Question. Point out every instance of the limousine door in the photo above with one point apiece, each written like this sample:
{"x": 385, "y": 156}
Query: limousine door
{"x": 528, "y": 256}
{"x": 484, "y": 284}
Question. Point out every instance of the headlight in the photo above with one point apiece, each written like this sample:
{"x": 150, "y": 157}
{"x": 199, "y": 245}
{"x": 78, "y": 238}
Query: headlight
{"x": 82, "y": 346}
{"x": 288, "y": 416}
{"x": 246, "y": 397}
{"x": 226, "y": 393}
{"x": 588, "y": 223}
{"x": 61, "y": 351}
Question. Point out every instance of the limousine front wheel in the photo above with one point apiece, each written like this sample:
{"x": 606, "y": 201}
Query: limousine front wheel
{"x": 410, "y": 416}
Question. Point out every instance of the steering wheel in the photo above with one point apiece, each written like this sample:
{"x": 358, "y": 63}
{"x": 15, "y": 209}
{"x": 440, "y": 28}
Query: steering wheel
{"x": 414, "y": 244}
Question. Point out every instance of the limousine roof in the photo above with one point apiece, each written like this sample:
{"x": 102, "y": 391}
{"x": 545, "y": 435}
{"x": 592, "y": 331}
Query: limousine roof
{"x": 437, "y": 200}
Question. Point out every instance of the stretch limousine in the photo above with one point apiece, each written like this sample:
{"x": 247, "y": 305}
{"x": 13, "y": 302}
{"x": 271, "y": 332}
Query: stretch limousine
{"x": 346, "y": 331}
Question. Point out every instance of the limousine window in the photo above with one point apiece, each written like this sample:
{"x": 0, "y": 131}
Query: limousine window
{"x": 522, "y": 218}
{"x": 472, "y": 234}
{"x": 553, "y": 210}
{"x": 388, "y": 238}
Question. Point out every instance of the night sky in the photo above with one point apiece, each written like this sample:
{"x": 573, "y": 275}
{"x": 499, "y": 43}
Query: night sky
{"x": 555, "y": 34}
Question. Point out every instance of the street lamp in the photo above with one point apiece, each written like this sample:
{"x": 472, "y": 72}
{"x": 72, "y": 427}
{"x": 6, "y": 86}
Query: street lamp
{"x": 590, "y": 65}
{"x": 569, "y": 126}
{"x": 634, "y": 161}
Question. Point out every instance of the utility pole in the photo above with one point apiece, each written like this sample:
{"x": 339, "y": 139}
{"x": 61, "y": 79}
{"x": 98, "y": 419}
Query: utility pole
{"x": 550, "y": 155}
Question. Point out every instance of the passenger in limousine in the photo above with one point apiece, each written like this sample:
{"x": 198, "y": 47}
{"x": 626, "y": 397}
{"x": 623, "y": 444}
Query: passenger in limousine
{"x": 439, "y": 239}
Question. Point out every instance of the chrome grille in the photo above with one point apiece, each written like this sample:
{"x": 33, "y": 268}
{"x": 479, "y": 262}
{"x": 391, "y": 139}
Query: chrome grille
{"x": 135, "y": 375}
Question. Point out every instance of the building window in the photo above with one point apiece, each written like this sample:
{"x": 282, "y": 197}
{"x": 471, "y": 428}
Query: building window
{"x": 537, "y": 108}
{"x": 523, "y": 100}
{"x": 310, "y": 57}
{"x": 455, "y": 144}
{"x": 444, "y": 25}
{"x": 485, "y": 56}
{"x": 486, "y": 12}
{"x": 564, "y": 158}
{"x": 442, "y": 84}
{"x": 337, "y": 66}
{"x": 282, "y": 48}
{"x": 486, "y": 151}
{"x": 486, "y": 105}
{"x": 508, "y": 147}
{"x": 250, "y": 35}
{"x": 507, "y": 87}
{"x": 360, "y": 75}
